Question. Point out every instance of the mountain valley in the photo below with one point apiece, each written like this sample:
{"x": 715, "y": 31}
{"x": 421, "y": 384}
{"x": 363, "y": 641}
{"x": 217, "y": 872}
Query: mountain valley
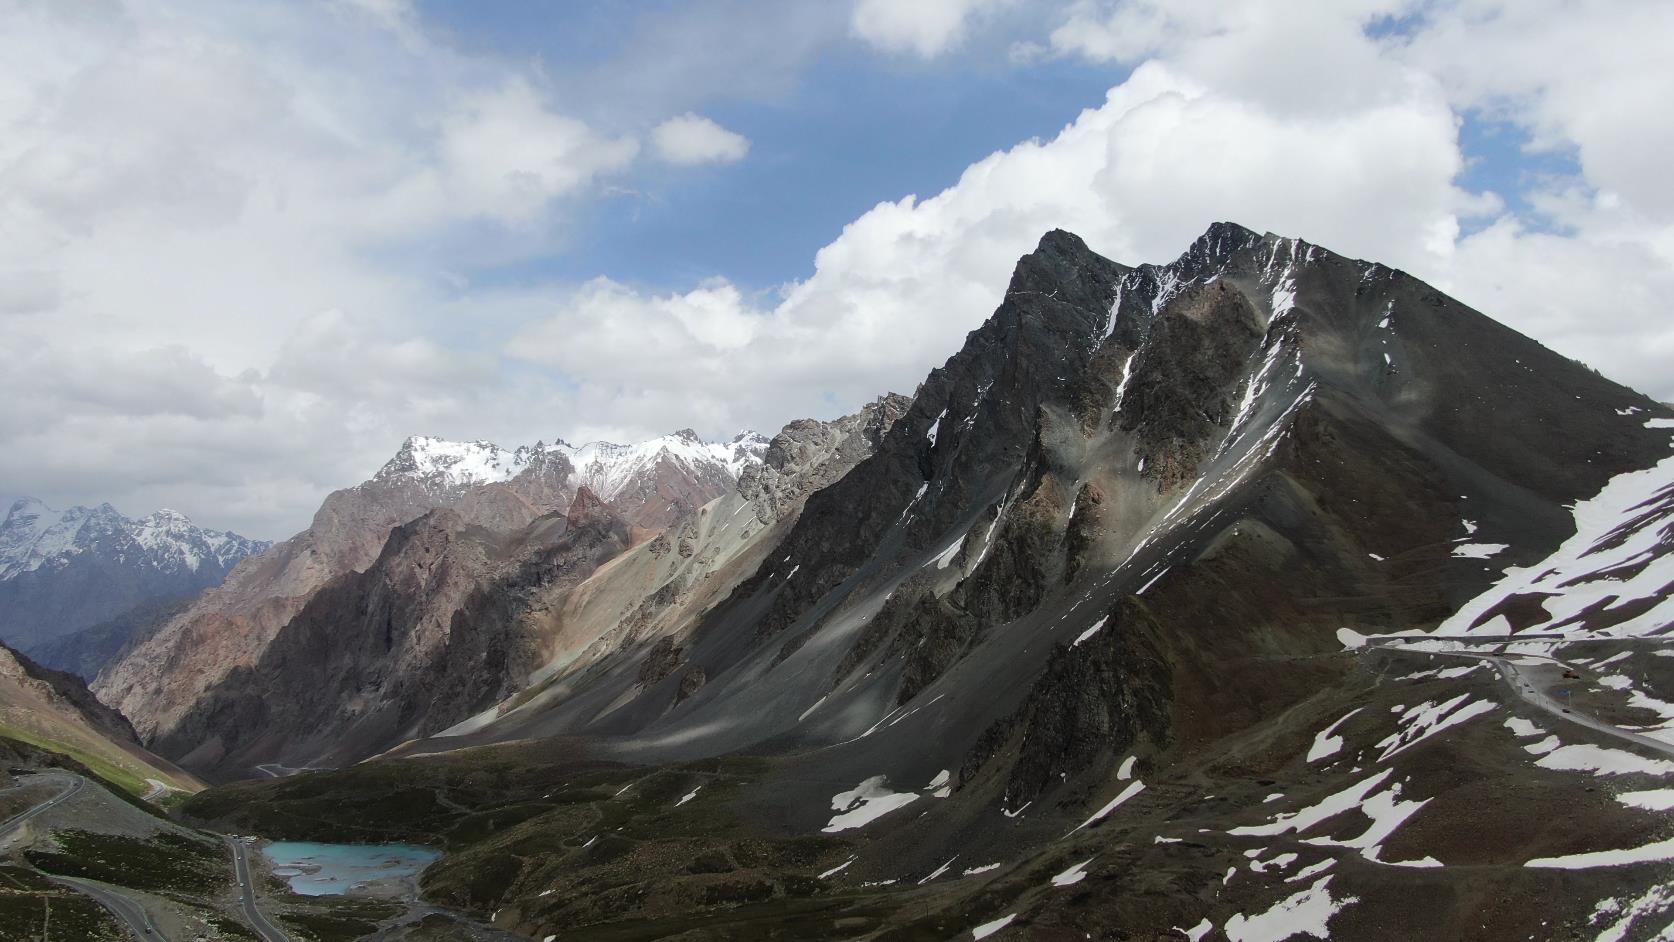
{"x": 1250, "y": 596}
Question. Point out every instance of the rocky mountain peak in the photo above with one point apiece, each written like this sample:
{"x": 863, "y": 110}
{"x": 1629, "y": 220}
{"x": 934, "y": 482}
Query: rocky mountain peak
{"x": 586, "y": 509}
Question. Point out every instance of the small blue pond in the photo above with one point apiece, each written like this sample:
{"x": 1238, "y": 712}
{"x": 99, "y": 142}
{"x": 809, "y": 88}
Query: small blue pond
{"x": 333, "y": 869}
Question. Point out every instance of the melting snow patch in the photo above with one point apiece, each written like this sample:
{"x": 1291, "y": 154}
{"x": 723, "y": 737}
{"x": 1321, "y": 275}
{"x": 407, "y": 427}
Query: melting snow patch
{"x": 1133, "y": 789}
{"x": 1521, "y": 727}
{"x": 1656, "y": 799}
{"x": 1351, "y": 639}
{"x": 1327, "y": 744}
{"x": 939, "y": 870}
{"x": 1305, "y": 913}
{"x": 838, "y": 869}
{"x": 1126, "y": 771}
{"x": 989, "y": 928}
{"x": 1479, "y": 550}
{"x": 1073, "y": 875}
{"x": 1615, "y": 558}
{"x": 946, "y": 556}
{"x": 1649, "y": 853}
{"x": 864, "y": 804}
{"x": 1429, "y": 718}
{"x": 1586, "y": 757}
{"x": 1090, "y": 631}
{"x": 1281, "y": 862}
{"x": 1655, "y": 900}
{"x": 688, "y": 796}
{"x": 1311, "y": 870}
{"x": 973, "y": 871}
{"x": 941, "y": 786}
{"x": 1144, "y": 588}
{"x": 1328, "y": 807}
{"x": 1198, "y": 931}
{"x": 1659, "y": 423}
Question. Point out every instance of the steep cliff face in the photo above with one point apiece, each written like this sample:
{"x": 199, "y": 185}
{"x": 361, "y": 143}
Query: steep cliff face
{"x": 460, "y": 613}
{"x": 429, "y": 634}
{"x": 56, "y": 711}
{"x": 1094, "y": 610}
{"x": 156, "y": 680}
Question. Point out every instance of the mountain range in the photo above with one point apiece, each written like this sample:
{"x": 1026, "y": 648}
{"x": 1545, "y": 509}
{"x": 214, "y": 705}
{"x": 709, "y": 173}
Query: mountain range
{"x": 1250, "y": 596}
{"x": 63, "y": 571}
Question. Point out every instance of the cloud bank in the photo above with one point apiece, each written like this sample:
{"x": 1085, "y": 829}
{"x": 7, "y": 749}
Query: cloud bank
{"x": 238, "y": 263}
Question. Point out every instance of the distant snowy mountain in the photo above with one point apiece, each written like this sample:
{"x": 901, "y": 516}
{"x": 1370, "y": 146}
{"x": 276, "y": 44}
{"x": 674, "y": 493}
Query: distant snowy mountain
{"x": 649, "y": 486}
{"x": 63, "y": 570}
{"x": 606, "y": 468}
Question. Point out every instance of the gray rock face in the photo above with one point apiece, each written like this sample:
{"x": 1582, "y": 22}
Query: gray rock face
{"x": 808, "y": 455}
{"x": 502, "y": 490}
{"x": 466, "y": 606}
{"x": 1105, "y": 424}
{"x": 1100, "y": 571}
{"x": 62, "y": 571}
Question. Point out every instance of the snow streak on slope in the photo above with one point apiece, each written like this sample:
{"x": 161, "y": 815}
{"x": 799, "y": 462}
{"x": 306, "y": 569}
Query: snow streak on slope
{"x": 1612, "y": 576}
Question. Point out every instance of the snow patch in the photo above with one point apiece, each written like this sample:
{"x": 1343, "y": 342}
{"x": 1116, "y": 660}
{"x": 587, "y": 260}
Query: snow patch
{"x": 1306, "y": 913}
{"x": 1073, "y": 875}
{"x": 1326, "y": 742}
{"x": 864, "y": 804}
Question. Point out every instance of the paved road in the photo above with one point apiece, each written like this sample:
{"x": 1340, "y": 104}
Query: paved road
{"x": 17, "y": 820}
{"x": 129, "y": 912}
{"x": 247, "y": 888}
{"x": 1526, "y": 691}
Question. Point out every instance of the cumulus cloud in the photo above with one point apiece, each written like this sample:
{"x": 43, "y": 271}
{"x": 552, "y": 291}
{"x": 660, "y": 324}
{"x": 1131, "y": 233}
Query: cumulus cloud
{"x": 214, "y": 226}
{"x": 505, "y": 154}
{"x": 693, "y": 139}
{"x": 228, "y": 278}
{"x": 926, "y": 28}
{"x": 1302, "y": 123}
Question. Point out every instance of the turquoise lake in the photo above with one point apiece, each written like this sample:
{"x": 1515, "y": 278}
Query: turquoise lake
{"x": 333, "y": 869}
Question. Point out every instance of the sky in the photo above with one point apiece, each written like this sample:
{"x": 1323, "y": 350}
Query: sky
{"x": 247, "y": 248}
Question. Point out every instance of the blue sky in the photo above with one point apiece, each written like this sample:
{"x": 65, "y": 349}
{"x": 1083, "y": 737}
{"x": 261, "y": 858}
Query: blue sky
{"x": 250, "y": 247}
{"x": 854, "y": 126}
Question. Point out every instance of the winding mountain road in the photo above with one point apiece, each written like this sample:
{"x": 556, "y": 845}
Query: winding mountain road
{"x": 18, "y": 820}
{"x": 1525, "y": 690}
{"x": 247, "y": 889}
{"x": 129, "y": 912}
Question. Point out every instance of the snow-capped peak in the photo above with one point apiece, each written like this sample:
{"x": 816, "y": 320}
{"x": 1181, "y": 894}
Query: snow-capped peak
{"x": 604, "y": 467}
{"x": 455, "y": 464}
{"x": 35, "y": 536}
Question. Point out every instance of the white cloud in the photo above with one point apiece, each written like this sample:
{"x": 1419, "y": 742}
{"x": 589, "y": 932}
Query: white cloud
{"x": 1298, "y": 123}
{"x": 228, "y": 236}
{"x": 694, "y": 139}
{"x": 926, "y": 28}
{"x": 193, "y": 193}
{"x": 504, "y": 154}
{"x": 1139, "y": 177}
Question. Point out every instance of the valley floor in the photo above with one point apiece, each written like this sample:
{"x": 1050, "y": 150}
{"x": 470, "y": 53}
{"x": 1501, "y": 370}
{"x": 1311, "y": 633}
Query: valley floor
{"x": 1433, "y": 789}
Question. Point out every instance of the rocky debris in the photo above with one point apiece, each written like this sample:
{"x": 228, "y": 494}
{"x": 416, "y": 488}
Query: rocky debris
{"x": 808, "y": 455}
{"x": 1095, "y": 700}
{"x": 662, "y": 660}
